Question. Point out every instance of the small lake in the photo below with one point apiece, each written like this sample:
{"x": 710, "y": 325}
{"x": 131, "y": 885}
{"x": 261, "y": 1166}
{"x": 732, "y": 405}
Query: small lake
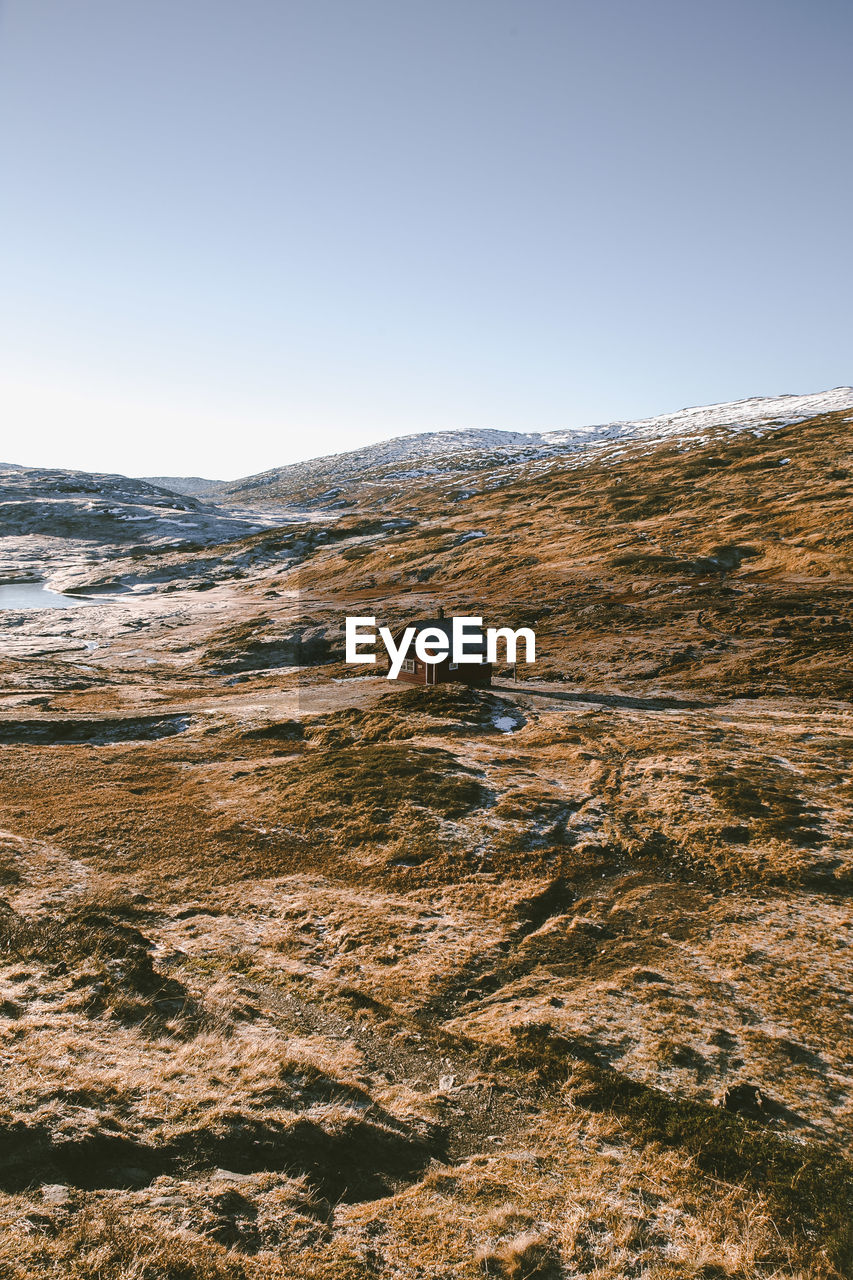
{"x": 32, "y": 595}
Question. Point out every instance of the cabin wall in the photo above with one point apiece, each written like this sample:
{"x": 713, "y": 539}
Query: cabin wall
{"x": 479, "y": 675}
{"x": 418, "y": 676}
{"x": 476, "y": 674}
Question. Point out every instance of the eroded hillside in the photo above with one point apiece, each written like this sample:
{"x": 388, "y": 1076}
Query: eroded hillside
{"x": 305, "y": 973}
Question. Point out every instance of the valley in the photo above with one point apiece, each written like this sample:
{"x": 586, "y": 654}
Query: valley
{"x": 306, "y": 972}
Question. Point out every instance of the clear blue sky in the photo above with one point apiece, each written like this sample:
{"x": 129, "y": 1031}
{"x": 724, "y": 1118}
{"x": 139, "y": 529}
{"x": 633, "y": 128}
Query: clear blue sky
{"x": 242, "y": 232}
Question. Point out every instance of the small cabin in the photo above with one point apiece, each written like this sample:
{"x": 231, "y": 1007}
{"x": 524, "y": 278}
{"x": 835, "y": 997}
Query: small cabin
{"x": 474, "y": 674}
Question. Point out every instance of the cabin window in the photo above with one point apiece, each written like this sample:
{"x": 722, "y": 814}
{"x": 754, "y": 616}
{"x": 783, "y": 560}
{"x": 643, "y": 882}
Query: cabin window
{"x": 408, "y": 664}
{"x": 454, "y": 666}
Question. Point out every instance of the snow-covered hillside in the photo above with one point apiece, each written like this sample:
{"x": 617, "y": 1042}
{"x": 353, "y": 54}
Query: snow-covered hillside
{"x": 777, "y": 410}
{"x": 108, "y": 510}
{"x": 188, "y": 486}
{"x": 164, "y": 507}
{"x": 329, "y": 481}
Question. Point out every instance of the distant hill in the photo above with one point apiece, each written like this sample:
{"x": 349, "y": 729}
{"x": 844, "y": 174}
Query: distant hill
{"x": 332, "y": 481}
{"x": 189, "y": 486}
{"x": 109, "y": 510}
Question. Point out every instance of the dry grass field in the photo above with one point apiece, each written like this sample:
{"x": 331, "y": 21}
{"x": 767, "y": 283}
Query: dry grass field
{"x": 303, "y": 973}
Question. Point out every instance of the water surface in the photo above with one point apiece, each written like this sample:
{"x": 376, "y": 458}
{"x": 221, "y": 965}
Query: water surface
{"x": 32, "y": 595}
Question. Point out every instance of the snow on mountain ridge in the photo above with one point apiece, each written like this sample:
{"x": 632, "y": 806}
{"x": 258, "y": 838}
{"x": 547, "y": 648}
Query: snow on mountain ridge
{"x": 429, "y": 453}
{"x": 734, "y": 413}
{"x": 427, "y": 442}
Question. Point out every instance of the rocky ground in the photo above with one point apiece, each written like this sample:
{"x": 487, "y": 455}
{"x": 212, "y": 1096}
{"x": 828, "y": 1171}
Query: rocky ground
{"x": 305, "y": 973}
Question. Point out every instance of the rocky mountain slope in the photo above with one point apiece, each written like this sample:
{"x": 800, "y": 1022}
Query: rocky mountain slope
{"x": 329, "y": 480}
{"x": 107, "y": 509}
{"x": 52, "y": 517}
{"x": 191, "y": 486}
